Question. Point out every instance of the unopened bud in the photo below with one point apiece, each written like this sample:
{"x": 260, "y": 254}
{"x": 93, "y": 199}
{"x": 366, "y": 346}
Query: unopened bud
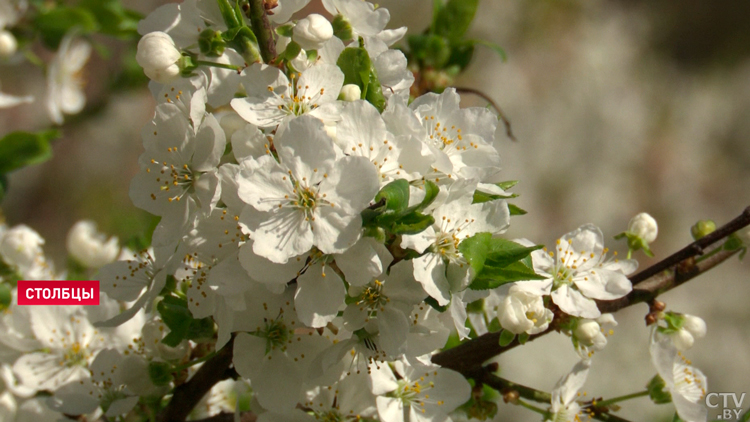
{"x": 695, "y": 325}
{"x": 158, "y": 56}
{"x": 644, "y": 226}
{"x": 350, "y": 92}
{"x": 342, "y": 28}
{"x": 586, "y": 331}
{"x": 682, "y": 339}
{"x": 8, "y": 44}
{"x": 312, "y": 32}
{"x": 702, "y": 228}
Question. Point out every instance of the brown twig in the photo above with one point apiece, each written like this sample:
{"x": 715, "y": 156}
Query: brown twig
{"x": 229, "y": 417}
{"x": 478, "y": 93}
{"x": 504, "y": 386}
{"x": 651, "y": 282}
{"x": 187, "y": 395}
{"x": 695, "y": 248}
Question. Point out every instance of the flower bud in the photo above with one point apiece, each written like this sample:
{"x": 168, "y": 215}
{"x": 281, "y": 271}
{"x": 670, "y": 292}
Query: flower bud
{"x": 89, "y": 247}
{"x": 8, "y": 44}
{"x": 644, "y": 226}
{"x": 312, "y": 32}
{"x": 682, "y": 339}
{"x": 21, "y": 247}
{"x": 158, "y": 56}
{"x": 587, "y": 331}
{"x": 696, "y": 326}
{"x": 702, "y": 228}
{"x": 350, "y": 92}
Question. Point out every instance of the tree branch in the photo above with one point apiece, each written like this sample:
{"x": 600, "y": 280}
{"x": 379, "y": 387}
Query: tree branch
{"x": 505, "y": 387}
{"x": 695, "y": 248}
{"x": 262, "y": 29}
{"x": 187, "y": 395}
{"x": 229, "y": 417}
{"x": 506, "y": 122}
{"x": 663, "y": 276}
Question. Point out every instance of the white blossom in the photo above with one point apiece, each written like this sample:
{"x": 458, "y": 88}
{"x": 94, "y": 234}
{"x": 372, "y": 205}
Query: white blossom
{"x": 65, "y": 80}
{"x": 686, "y": 384}
{"x": 581, "y": 273}
{"x": 90, "y": 247}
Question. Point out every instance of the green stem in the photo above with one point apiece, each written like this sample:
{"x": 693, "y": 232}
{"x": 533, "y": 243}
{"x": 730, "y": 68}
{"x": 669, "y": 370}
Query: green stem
{"x": 532, "y": 408}
{"x": 708, "y": 255}
{"x": 219, "y": 65}
{"x": 186, "y": 365}
{"x": 608, "y": 402}
{"x": 630, "y": 253}
{"x": 262, "y": 29}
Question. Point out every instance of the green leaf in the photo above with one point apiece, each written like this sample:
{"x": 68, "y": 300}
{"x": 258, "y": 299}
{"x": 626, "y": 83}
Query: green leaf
{"x": 515, "y": 210}
{"x": 482, "y": 249}
{"x": 657, "y": 390}
{"x": 733, "y": 242}
{"x": 412, "y": 223}
{"x": 431, "y": 192}
{"x": 507, "y": 184}
{"x": 454, "y": 19}
{"x": 506, "y": 337}
{"x": 113, "y": 18}
{"x": 461, "y": 55}
{"x": 475, "y": 250}
{"x": 244, "y": 41}
{"x": 201, "y": 329}
{"x": 432, "y": 302}
{"x": 505, "y": 252}
{"x": 229, "y": 13}
{"x": 523, "y": 338}
{"x": 342, "y": 29}
{"x": 176, "y": 315}
{"x": 492, "y": 277}
{"x": 285, "y": 30}
{"x": 160, "y": 373}
{"x": 19, "y": 149}
{"x": 374, "y": 93}
{"x": 54, "y": 23}
{"x": 5, "y": 296}
{"x": 430, "y": 50}
{"x": 494, "y": 47}
{"x": 356, "y": 65}
{"x": 677, "y": 418}
{"x": 3, "y": 186}
{"x": 291, "y": 52}
{"x": 395, "y": 194}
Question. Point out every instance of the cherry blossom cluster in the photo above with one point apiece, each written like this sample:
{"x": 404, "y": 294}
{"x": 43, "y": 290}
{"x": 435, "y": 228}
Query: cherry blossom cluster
{"x": 330, "y": 227}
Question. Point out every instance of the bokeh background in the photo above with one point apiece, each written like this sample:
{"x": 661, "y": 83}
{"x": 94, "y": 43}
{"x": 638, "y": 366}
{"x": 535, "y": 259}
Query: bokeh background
{"x": 619, "y": 107}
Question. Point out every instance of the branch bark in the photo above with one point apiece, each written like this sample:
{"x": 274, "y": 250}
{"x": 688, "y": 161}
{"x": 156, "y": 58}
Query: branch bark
{"x": 187, "y": 395}
{"x": 506, "y": 122}
{"x": 504, "y": 386}
{"x": 648, "y": 284}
